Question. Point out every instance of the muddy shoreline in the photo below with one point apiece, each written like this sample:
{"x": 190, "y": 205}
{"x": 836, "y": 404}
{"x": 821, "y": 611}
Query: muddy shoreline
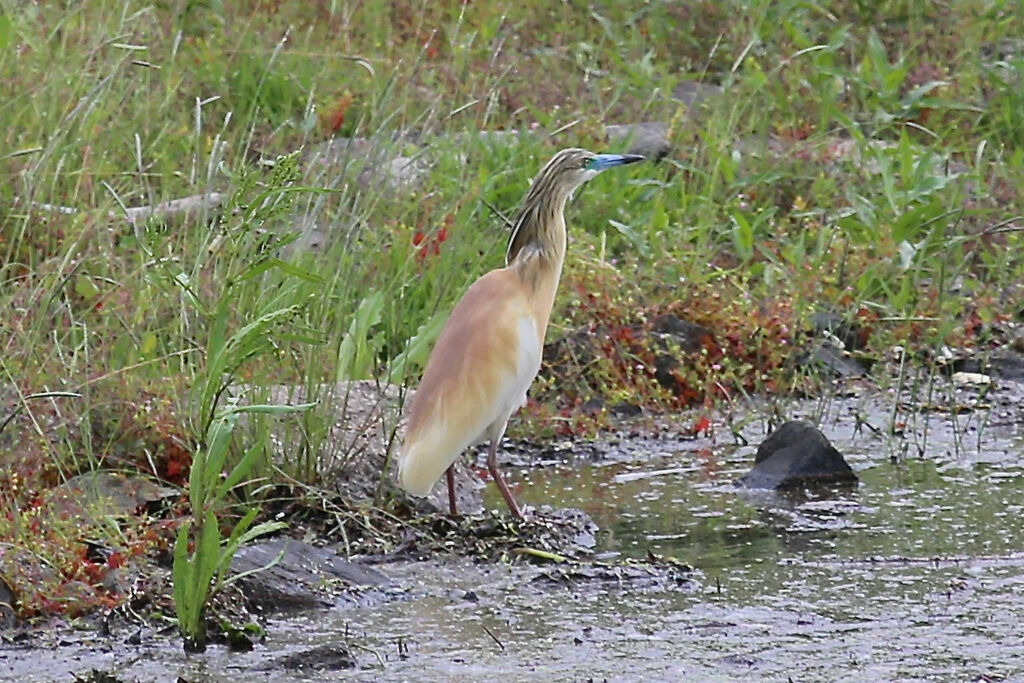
{"x": 578, "y": 549}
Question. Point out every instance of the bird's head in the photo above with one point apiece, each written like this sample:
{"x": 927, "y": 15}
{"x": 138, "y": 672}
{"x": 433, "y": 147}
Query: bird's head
{"x": 572, "y": 167}
{"x": 549, "y": 191}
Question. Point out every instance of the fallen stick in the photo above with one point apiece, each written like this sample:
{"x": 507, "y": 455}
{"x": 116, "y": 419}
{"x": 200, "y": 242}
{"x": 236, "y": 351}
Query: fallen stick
{"x": 184, "y": 205}
{"x": 140, "y": 213}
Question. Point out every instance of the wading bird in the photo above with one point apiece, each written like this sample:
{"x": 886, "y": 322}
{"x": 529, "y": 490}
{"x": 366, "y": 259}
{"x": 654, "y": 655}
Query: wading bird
{"x": 490, "y": 348}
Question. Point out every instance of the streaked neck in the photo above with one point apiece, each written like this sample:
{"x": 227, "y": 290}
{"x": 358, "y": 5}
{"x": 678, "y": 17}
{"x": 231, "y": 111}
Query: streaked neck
{"x": 539, "y": 229}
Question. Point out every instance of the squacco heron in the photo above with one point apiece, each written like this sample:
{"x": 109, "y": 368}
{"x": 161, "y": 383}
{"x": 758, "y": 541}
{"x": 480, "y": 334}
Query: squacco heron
{"x": 490, "y": 348}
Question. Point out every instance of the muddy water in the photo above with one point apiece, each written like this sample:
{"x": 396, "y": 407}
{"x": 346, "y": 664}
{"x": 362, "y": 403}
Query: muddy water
{"x": 918, "y": 574}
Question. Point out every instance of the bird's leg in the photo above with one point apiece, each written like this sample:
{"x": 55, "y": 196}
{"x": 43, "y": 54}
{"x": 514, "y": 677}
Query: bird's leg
{"x": 450, "y": 475}
{"x": 492, "y": 465}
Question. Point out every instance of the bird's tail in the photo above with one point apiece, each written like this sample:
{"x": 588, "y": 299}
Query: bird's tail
{"x": 412, "y": 475}
{"x": 425, "y": 457}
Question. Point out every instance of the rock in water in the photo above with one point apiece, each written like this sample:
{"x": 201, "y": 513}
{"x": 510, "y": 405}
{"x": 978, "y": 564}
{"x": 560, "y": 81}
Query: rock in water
{"x": 797, "y": 454}
{"x": 292, "y": 574}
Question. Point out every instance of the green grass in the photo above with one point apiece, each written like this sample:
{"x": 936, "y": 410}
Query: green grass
{"x": 858, "y": 160}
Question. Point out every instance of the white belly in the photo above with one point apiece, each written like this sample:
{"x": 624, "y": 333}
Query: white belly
{"x": 513, "y": 394}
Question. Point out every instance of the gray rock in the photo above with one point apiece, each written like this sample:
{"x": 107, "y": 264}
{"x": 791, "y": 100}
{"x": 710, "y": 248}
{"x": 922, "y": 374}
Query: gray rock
{"x": 828, "y": 323}
{"x": 301, "y": 578}
{"x": 649, "y": 139}
{"x": 378, "y": 163}
{"x": 318, "y": 659}
{"x": 102, "y": 492}
{"x": 1005, "y": 363}
{"x": 696, "y": 95}
{"x": 8, "y": 601}
{"x": 832, "y": 360}
{"x": 797, "y": 454}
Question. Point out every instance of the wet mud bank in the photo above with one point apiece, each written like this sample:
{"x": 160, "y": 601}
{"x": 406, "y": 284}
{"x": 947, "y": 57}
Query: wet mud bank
{"x": 642, "y": 558}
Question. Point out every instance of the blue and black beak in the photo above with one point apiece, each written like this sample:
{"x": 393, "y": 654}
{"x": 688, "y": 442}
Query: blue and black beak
{"x": 602, "y": 161}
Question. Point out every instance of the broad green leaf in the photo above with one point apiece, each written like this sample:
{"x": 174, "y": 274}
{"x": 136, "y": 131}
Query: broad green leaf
{"x": 311, "y": 339}
{"x": 261, "y": 530}
{"x": 910, "y": 223}
{"x": 742, "y": 235}
{"x": 920, "y": 91}
{"x": 354, "y": 359}
{"x": 147, "y": 344}
{"x": 240, "y": 471}
{"x": 182, "y": 578}
{"x": 207, "y": 555}
{"x": 227, "y": 551}
{"x": 197, "y": 480}
{"x": 638, "y": 242}
{"x": 218, "y": 445}
{"x": 417, "y": 349}
{"x": 85, "y": 287}
{"x": 296, "y": 271}
{"x": 6, "y": 31}
{"x": 272, "y": 409}
{"x": 906, "y": 152}
{"x": 256, "y": 270}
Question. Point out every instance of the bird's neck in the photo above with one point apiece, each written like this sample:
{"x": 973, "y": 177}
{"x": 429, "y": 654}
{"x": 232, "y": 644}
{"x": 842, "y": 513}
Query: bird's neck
{"x": 540, "y": 244}
{"x": 539, "y": 226}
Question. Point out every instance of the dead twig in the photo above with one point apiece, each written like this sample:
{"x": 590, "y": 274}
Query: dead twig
{"x": 488, "y": 632}
{"x": 135, "y": 214}
{"x": 498, "y": 212}
{"x": 380, "y": 660}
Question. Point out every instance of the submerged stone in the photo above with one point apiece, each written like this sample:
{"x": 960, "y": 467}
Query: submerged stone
{"x": 797, "y": 454}
{"x": 330, "y": 657}
{"x": 653, "y": 574}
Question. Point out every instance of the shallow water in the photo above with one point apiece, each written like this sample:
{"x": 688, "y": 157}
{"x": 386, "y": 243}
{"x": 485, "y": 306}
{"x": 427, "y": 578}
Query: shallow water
{"x": 918, "y": 574}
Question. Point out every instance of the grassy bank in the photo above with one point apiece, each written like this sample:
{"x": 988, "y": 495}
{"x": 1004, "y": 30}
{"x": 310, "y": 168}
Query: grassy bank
{"x": 867, "y": 161}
